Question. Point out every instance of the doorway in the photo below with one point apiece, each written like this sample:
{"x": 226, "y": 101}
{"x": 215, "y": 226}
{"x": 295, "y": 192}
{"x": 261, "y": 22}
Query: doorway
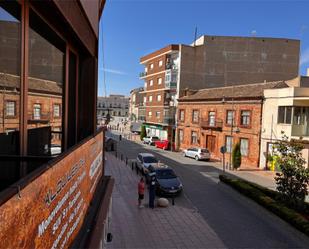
{"x": 211, "y": 143}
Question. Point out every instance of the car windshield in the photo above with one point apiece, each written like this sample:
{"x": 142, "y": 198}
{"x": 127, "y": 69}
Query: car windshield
{"x": 204, "y": 151}
{"x": 150, "y": 159}
{"x": 165, "y": 174}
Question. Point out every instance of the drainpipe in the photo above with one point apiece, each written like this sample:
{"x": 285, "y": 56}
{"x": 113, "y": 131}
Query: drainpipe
{"x": 260, "y": 133}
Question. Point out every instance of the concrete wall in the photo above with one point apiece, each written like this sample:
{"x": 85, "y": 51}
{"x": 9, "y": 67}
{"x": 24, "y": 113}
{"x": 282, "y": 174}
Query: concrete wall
{"x": 223, "y": 61}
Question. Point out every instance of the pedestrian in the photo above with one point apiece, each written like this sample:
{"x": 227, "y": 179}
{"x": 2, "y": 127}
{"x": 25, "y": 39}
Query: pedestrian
{"x": 141, "y": 190}
{"x": 152, "y": 191}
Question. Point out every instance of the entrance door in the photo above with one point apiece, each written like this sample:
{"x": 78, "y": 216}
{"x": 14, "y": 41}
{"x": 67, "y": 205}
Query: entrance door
{"x": 211, "y": 143}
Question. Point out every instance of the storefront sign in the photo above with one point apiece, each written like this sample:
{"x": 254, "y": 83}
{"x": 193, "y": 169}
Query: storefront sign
{"x": 51, "y": 209}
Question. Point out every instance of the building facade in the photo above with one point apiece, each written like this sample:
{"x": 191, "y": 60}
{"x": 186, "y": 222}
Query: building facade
{"x": 216, "y": 117}
{"x": 137, "y": 106}
{"x": 210, "y": 62}
{"x": 285, "y": 112}
{"x": 48, "y": 94}
{"x": 116, "y": 105}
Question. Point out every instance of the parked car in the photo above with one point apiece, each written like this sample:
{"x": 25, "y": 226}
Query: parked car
{"x": 167, "y": 182}
{"x": 150, "y": 140}
{"x": 197, "y": 153}
{"x": 163, "y": 144}
{"x": 144, "y": 160}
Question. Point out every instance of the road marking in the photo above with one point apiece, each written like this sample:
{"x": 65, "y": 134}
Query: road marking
{"x": 212, "y": 176}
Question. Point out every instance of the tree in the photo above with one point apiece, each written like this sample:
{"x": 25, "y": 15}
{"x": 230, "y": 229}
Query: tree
{"x": 236, "y": 156}
{"x": 143, "y": 132}
{"x": 292, "y": 182}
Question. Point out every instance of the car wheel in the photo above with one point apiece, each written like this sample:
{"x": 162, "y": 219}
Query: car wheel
{"x": 196, "y": 158}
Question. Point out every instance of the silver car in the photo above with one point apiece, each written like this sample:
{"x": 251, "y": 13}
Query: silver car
{"x": 197, "y": 153}
{"x": 144, "y": 160}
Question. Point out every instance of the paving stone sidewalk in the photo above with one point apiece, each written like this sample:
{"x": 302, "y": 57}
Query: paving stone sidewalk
{"x": 178, "y": 226}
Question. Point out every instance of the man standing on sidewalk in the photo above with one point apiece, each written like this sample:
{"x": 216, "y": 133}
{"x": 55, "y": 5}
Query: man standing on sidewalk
{"x": 141, "y": 190}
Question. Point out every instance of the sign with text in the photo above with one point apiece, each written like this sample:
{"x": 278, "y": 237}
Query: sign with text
{"x": 51, "y": 209}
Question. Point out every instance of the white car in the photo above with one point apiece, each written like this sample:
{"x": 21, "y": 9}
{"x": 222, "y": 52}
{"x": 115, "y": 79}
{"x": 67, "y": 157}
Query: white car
{"x": 197, "y": 153}
{"x": 150, "y": 140}
{"x": 144, "y": 160}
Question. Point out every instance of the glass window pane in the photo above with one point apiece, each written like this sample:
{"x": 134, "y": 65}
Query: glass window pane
{"x": 46, "y": 79}
{"x": 288, "y": 115}
{"x": 281, "y": 114}
{"x": 244, "y": 146}
{"x": 10, "y": 64}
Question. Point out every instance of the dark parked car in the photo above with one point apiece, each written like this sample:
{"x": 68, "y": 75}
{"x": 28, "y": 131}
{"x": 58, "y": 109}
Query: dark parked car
{"x": 167, "y": 182}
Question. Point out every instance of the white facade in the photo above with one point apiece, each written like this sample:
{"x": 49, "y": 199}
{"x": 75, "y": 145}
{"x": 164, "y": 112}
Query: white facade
{"x": 116, "y": 105}
{"x": 285, "y": 111}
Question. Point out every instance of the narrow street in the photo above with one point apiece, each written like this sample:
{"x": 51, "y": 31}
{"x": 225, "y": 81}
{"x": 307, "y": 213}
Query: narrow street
{"x": 236, "y": 220}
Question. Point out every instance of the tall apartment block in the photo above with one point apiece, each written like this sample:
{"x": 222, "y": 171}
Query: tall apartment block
{"x": 210, "y": 61}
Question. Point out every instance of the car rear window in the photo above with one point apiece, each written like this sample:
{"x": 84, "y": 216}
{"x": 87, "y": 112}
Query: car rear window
{"x": 155, "y": 138}
{"x": 204, "y": 151}
{"x": 150, "y": 159}
{"x": 165, "y": 174}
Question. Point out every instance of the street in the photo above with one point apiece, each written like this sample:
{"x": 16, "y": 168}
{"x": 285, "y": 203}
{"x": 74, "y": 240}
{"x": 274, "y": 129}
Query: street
{"x": 237, "y": 221}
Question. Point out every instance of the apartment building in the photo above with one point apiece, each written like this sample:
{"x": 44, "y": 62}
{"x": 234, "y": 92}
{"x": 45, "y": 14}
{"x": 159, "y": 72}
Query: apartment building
{"x": 285, "y": 112}
{"x": 210, "y": 62}
{"x": 137, "y": 105}
{"x": 214, "y": 117}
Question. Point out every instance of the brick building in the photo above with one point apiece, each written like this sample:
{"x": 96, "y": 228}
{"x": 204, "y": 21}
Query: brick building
{"x": 210, "y": 62}
{"x": 211, "y": 118}
{"x": 137, "y": 105}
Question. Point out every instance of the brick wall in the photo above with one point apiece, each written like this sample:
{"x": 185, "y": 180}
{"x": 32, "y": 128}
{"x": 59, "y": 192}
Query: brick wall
{"x": 214, "y": 137}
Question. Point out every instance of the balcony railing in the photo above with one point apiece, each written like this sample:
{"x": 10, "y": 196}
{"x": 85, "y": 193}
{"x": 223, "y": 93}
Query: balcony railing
{"x": 142, "y": 74}
{"x": 170, "y": 85}
{"x": 215, "y": 124}
{"x": 300, "y": 130}
{"x": 39, "y": 118}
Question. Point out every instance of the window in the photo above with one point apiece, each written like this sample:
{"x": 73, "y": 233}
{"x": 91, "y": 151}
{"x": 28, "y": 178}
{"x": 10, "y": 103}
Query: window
{"x": 230, "y": 117}
{"x": 151, "y": 66}
{"x": 159, "y": 97}
{"x": 195, "y": 116}
{"x": 229, "y": 143}
{"x": 37, "y": 111}
{"x": 166, "y": 113}
{"x": 285, "y": 114}
{"x": 146, "y": 69}
{"x": 159, "y": 81}
{"x": 150, "y": 114}
{"x": 134, "y": 98}
{"x": 150, "y": 98}
{"x": 145, "y": 85}
{"x": 158, "y": 114}
{"x": 180, "y": 136}
{"x": 160, "y": 63}
{"x": 245, "y": 118}
{"x": 10, "y": 108}
{"x": 244, "y": 142}
{"x": 211, "y": 118}
{"x": 150, "y": 82}
{"x": 193, "y": 137}
{"x": 145, "y": 99}
{"x": 56, "y": 110}
{"x": 182, "y": 115}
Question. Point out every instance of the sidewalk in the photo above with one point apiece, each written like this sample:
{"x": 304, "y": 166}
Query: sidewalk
{"x": 178, "y": 226}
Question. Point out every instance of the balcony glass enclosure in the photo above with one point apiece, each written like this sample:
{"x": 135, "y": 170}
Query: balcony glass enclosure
{"x": 297, "y": 116}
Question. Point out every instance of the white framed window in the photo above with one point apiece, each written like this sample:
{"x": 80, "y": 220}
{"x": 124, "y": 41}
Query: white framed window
{"x": 160, "y": 63}
{"x": 150, "y": 82}
{"x": 159, "y": 81}
{"x": 150, "y": 114}
{"x": 180, "y": 136}
{"x": 158, "y": 114}
{"x": 146, "y": 69}
{"x": 145, "y": 99}
{"x": 151, "y": 66}
{"x": 244, "y": 145}
{"x": 145, "y": 85}
{"x": 150, "y": 98}
{"x": 37, "y": 111}
{"x": 10, "y": 108}
{"x": 193, "y": 137}
{"x": 228, "y": 143}
{"x": 159, "y": 97}
{"x": 56, "y": 110}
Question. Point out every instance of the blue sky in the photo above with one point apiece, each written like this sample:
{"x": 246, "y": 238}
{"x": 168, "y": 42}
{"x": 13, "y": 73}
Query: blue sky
{"x": 132, "y": 29}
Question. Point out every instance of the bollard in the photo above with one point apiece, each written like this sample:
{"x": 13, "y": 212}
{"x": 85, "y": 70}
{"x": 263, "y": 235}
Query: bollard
{"x": 132, "y": 165}
{"x": 136, "y": 168}
{"x": 173, "y": 200}
{"x": 126, "y": 161}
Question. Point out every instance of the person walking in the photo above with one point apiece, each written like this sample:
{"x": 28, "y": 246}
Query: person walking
{"x": 141, "y": 190}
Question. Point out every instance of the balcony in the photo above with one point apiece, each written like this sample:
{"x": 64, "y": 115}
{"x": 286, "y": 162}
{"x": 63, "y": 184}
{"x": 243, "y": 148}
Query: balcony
{"x": 171, "y": 85}
{"x": 38, "y": 118}
{"x": 211, "y": 124}
{"x": 300, "y": 130}
{"x": 142, "y": 74}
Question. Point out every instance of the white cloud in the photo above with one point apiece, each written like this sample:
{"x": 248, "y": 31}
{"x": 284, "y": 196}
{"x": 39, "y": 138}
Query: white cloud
{"x": 304, "y": 58}
{"x": 113, "y": 71}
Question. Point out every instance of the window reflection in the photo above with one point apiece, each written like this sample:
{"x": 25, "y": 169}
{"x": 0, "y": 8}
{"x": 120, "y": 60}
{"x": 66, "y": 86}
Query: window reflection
{"x": 45, "y": 93}
{"x": 10, "y": 40}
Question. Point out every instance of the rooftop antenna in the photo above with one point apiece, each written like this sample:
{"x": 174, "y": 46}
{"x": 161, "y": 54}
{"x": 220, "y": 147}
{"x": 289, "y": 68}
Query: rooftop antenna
{"x": 195, "y": 34}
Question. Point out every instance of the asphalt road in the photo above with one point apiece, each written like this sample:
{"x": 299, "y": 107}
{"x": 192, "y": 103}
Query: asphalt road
{"x": 238, "y": 221}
